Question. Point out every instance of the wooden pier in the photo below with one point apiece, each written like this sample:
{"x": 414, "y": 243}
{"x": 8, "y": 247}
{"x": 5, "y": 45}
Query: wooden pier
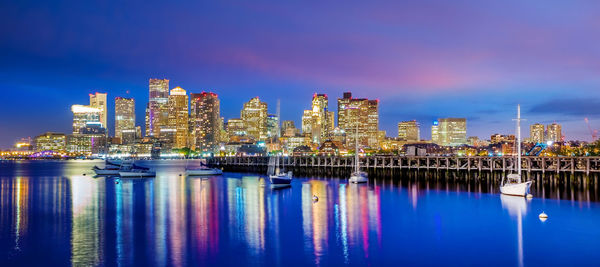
{"x": 571, "y": 165}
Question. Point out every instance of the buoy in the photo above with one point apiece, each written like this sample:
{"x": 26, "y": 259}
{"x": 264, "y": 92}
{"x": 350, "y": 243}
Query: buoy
{"x": 530, "y": 196}
{"x": 84, "y": 174}
{"x": 543, "y": 216}
{"x": 315, "y": 198}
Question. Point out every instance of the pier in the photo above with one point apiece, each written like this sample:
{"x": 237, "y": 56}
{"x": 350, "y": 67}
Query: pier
{"x": 581, "y": 170}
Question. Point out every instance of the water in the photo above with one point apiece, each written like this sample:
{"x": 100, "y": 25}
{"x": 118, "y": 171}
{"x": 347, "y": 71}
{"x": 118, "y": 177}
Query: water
{"x": 50, "y": 214}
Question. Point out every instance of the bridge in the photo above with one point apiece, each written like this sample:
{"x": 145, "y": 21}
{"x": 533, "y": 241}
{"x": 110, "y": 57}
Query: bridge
{"x": 530, "y": 164}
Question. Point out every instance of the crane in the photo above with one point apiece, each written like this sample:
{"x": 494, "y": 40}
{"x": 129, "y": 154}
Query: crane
{"x": 594, "y": 133}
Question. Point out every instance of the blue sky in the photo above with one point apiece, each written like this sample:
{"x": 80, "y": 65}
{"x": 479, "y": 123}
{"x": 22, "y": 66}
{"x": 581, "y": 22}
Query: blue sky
{"x": 421, "y": 59}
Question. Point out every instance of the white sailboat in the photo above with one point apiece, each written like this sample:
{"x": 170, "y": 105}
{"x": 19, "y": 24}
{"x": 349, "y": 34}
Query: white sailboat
{"x": 277, "y": 177}
{"x": 512, "y": 184}
{"x": 357, "y": 175}
{"x": 203, "y": 170}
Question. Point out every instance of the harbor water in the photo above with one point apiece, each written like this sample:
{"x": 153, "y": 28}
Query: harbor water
{"x": 57, "y": 213}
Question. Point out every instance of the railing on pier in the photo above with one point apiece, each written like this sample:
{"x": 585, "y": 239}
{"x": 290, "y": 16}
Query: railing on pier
{"x": 585, "y": 165}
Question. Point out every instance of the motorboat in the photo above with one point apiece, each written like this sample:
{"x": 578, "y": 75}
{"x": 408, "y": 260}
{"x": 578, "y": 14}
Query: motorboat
{"x": 513, "y": 184}
{"x": 137, "y": 171}
{"x": 111, "y": 168}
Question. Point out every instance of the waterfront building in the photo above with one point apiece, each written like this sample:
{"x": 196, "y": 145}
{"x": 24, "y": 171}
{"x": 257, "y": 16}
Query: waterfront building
{"x": 536, "y": 133}
{"x": 206, "y": 121}
{"x": 362, "y": 112}
{"x": 554, "y": 133}
{"x": 409, "y": 131}
{"x": 499, "y": 138}
{"x": 125, "y": 120}
{"x": 254, "y": 115}
{"x": 157, "y": 111}
{"x": 98, "y": 100}
{"x": 24, "y": 144}
{"x": 272, "y": 126}
{"x": 84, "y": 116}
{"x": 290, "y": 143}
{"x": 178, "y": 117}
{"x": 338, "y": 136}
{"x": 50, "y": 142}
{"x": 452, "y": 131}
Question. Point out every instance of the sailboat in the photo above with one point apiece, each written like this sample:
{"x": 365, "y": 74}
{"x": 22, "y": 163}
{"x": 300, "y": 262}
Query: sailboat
{"x": 512, "y": 184}
{"x": 278, "y": 178}
{"x": 357, "y": 175}
{"x": 203, "y": 170}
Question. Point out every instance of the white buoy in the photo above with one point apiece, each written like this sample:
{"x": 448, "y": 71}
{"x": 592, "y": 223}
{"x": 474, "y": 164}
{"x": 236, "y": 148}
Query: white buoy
{"x": 529, "y": 196}
{"x": 315, "y": 198}
{"x": 543, "y": 216}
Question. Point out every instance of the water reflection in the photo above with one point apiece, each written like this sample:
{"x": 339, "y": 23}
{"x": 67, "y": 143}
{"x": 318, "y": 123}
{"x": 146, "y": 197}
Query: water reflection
{"x": 517, "y": 208}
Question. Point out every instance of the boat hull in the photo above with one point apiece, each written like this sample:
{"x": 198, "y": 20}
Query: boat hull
{"x": 357, "y": 178}
{"x": 518, "y": 189}
{"x": 106, "y": 172}
{"x": 281, "y": 180}
{"x": 203, "y": 172}
{"x": 137, "y": 174}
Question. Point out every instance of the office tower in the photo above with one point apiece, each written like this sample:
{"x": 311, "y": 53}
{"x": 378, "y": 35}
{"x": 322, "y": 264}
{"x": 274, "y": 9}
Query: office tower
{"x": 178, "y": 117}
{"x": 320, "y": 126}
{"x": 98, "y": 100}
{"x": 254, "y": 115}
{"x": 157, "y": 111}
{"x": 125, "y": 120}
{"x": 409, "y": 131}
{"x": 85, "y": 116}
{"x": 206, "y": 121}
{"x": 452, "y": 131}
{"x": 435, "y": 132}
{"x": 272, "y": 126}
{"x": 289, "y": 129}
{"x": 554, "y": 132}
{"x": 236, "y": 127}
{"x": 331, "y": 119}
{"x": 536, "y": 133}
{"x": 361, "y": 112}
{"x": 307, "y": 123}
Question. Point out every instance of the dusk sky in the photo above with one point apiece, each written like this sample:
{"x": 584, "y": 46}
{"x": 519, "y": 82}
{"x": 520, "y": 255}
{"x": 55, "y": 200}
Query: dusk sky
{"x": 421, "y": 59}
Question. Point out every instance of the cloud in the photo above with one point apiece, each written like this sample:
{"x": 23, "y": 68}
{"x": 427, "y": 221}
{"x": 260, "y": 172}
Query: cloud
{"x": 569, "y": 107}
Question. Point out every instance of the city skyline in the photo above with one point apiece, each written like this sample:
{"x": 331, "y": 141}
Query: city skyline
{"x": 484, "y": 62}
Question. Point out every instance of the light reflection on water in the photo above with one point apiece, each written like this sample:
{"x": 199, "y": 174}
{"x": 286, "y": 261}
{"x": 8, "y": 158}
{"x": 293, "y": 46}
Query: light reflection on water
{"x": 52, "y": 214}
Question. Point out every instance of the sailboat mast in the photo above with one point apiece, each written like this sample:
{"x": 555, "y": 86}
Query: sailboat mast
{"x": 356, "y": 148}
{"x": 519, "y": 140}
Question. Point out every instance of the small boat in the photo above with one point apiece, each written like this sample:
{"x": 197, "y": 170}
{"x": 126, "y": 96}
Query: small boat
{"x": 106, "y": 171}
{"x": 513, "y": 185}
{"x": 111, "y": 168}
{"x": 278, "y": 178}
{"x": 203, "y": 171}
{"x": 357, "y": 175}
{"x": 137, "y": 171}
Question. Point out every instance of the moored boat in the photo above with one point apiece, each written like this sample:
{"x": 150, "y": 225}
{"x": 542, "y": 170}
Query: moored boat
{"x": 203, "y": 172}
{"x": 512, "y": 184}
{"x": 277, "y": 177}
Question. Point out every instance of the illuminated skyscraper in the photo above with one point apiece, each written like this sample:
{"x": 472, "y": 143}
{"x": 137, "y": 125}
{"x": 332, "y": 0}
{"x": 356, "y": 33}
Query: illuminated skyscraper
{"x": 85, "y": 116}
{"x": 452, "y": 131}
{"x": 125, "y": 120}
{"x": 409, "y": 131}
{"x": 307, "y": 123}
{"x": 362, "y": 112}
{"x": 536, "y": 133}
{"x": 272, "y": 126}
{"x": 179, "y": 117}
{"x": 157, "y": 111}
{"x": 254, "y": 115}
{"x": 435, "y": 132}
{"x": 554, "y": 132}
{"x": 320, "y": 124}
{"x": 98, "y": 100}
{"x": 206, "y": 121}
